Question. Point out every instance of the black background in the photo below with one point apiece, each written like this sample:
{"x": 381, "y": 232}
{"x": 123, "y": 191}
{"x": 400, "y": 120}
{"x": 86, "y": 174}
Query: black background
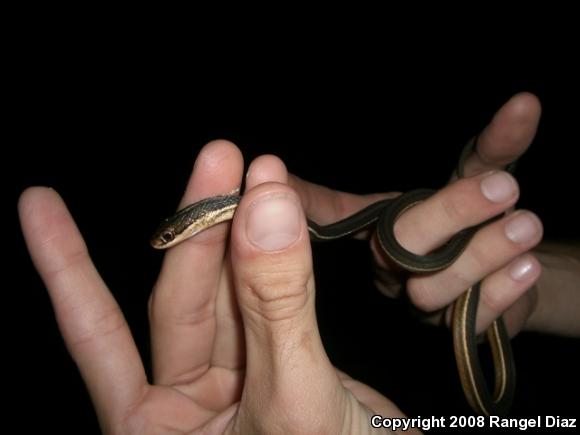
{"x": 116, "y": 132}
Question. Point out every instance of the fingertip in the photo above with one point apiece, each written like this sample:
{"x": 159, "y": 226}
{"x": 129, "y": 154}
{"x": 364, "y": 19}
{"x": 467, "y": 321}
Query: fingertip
{"x": 526, "y": 269}
{"x": 266, "y": 168}
{"x": 509, "y": 289}
{"x": 509, "y": 134}
{"x": 525, "y": 104}
{"x": 499, "y": 187}
{"x": 539, "y": 223}
{"x": 518, "y": 119}
{"x": 33, "y": 202}
{"x": 32, "y": 194}
{"x": 214, "y": 153}
{"x": 524, "y": 227}
{"x": 269, "y": 219}
{"x": 217, "y": 171}
{"x": 49, "y": 230}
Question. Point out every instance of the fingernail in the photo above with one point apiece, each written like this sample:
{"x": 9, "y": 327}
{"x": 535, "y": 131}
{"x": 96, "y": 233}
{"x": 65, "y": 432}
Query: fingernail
{"x": 273, "y": 222}
{"x": 523, "y": 228}
{"x": 498, "y": 187}
{"x": 522, "y": 269}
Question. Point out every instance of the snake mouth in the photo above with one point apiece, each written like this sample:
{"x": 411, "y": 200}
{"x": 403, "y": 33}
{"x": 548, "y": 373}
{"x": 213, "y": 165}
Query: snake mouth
{"x": 157, "y": 243}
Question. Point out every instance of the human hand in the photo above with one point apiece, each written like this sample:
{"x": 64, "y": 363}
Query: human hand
{"x": 498, "y": 255}
{"x": 235, "y": 344}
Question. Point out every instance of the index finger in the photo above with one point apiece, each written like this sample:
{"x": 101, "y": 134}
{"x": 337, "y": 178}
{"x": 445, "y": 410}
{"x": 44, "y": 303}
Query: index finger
{"x": 182, "y": 308}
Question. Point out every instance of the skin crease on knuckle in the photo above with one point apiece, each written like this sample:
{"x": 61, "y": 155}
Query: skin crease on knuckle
{"x": 480, "y": 257}
{"x": 98, "y": 328}
{"x": 277, "y": 296}
{"x": 422, "y": 295}
{"x": 495, "y": 299}
{"x": 162, "y": 309}
{"x": 459, "y": 206}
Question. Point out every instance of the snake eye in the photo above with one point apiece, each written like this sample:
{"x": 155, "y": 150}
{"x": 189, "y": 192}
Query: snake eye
{"x": 167, "y": 236}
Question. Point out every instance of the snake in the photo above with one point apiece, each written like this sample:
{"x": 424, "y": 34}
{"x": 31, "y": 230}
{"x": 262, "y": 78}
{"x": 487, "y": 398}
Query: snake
{"x": 383, "y": 214}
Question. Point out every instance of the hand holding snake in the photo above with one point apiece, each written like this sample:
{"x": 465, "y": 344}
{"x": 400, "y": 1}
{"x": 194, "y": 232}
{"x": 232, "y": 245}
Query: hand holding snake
{"x": 213, "y": 372}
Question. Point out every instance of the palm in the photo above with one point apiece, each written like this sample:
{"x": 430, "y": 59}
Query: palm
{"x": 164, "y": 409}
{"x": 191, "y": 407}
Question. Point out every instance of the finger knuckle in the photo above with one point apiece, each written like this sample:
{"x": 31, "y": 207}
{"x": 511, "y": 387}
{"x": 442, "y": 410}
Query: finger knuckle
{"x": 72, "y": 259}
{"x": 457, "y": 207}
{"x": 494, "y": 298}
{"x": 166, "y": 306}
{"x": 97, "y": 328}
{"x": 421, "y": 294}
{"x": 481, "y": 258}
{"x": 278, "y": 295}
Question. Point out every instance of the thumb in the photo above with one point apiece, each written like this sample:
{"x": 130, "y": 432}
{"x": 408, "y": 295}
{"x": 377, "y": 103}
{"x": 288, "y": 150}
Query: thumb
{"x": 286, "y": 365}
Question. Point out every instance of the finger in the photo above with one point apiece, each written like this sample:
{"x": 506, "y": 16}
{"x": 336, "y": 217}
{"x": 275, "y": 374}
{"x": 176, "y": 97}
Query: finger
{"x": 501, "y": 290}
{"x": 182, "y": 305}
{"x": 557, "y": 290}
{"x": 507, "y": 136}
{"x": 509, "y": 293}
{"x": 490, "y": 250}
{"x": 228, "y": 349}
{"x": 89, "y": 319}
{"x": 264, "y": 169}
{"x": 228, "y": 354}
{"x": 466, "y": 202}
{"x": 272, "y": 267}
{"x": 324, "y": 205}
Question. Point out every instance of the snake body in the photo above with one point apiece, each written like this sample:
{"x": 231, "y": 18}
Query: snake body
{"x": 210, "y": 211}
